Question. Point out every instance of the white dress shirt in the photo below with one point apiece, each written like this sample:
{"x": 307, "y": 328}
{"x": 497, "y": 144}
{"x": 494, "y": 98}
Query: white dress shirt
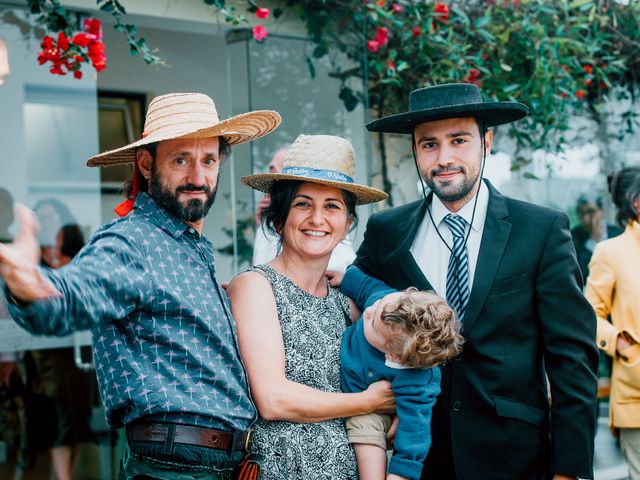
{"x": 432, "y": 256}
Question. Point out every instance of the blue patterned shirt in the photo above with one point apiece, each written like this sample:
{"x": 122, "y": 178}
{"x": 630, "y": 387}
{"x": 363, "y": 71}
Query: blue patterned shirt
{"x": 164, "y": 339}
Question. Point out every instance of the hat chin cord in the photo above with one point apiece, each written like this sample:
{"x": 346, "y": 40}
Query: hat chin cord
{"x": 483, "y": 131}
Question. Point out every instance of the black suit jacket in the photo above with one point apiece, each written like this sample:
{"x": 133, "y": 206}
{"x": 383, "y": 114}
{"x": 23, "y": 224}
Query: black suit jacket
{"x": 526, "y": 315}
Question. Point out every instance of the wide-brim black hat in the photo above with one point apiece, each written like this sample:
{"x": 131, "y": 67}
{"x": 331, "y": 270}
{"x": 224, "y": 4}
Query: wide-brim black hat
{"x": 451, "y": 100}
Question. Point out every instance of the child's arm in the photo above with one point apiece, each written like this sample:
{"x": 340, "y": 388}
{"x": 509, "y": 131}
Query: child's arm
{"x": 363, "y": 289}
{"x": 416, "y": 391}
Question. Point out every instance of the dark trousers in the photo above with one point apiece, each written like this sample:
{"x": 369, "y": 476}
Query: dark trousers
{"x": 173, "y": 461}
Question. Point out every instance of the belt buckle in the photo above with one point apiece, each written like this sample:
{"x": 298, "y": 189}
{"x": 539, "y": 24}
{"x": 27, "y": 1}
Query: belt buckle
{"x": 248, "y": 439}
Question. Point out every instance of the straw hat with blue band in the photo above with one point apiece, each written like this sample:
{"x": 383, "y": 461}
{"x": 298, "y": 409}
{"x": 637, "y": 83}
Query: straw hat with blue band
{"x": 323, "y": 159}
{"x": 450, "y": 100}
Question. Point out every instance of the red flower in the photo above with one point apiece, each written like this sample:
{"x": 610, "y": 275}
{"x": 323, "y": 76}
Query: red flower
{"x": 580, "y": 94}
{"x": 564, "y": 95}
{"x": 380, "y": 3}
{"x": 262, "y": 13}
{"x": 47, "y": 42}
{"x": 63, "y": 41}
{"x": 588, "y": 81}
{"x": 397, "y": 8}
{"x": 484, "y": 56}
{"x": 77, "y": 74}
{"x": 416, "y": 31}
{"x": 382, "y": 36}
{"x": 587, "y": 69}
{"x": 391, "y": 65}
{"x": 373, "y": 46}
{"x": 474, "y": 77}
{"x": 442, "y": 12}
{"x": 93, "y": 27}
{"x": 81, "y": 39}
{"x": 259, "y": 33}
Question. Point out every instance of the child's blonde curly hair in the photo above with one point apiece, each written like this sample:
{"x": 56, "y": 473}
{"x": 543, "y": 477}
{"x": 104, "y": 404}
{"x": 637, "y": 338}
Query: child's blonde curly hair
{"x": 426, "y": 330}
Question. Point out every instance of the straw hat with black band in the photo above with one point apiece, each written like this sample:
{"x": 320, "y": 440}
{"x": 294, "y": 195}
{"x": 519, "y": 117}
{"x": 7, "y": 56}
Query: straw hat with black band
{"x": 187, "y": 115}
{"x": 324, "y": 159}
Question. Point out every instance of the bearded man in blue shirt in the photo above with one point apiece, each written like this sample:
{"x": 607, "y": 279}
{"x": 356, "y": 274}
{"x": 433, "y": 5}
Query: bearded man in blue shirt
{"x": 164, "y": 339}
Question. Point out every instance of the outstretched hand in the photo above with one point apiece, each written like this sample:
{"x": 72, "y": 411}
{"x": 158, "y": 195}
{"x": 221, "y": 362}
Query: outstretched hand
{"x": 19, "y": 262}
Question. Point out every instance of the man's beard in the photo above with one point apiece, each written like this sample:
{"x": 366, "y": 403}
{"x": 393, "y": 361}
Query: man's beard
{"x": 452, "y": 193}
{"x": 194, "y": 210}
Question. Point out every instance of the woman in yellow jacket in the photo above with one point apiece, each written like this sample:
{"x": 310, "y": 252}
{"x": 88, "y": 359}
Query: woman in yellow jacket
{"x": 613, "y": 289}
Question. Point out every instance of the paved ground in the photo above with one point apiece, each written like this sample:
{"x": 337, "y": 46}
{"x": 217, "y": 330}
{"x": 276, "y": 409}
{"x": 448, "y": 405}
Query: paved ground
{"x": 609, "y": 463}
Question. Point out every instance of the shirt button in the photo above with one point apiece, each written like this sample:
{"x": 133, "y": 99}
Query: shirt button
{"x": 456, "y": 406}
{"x": 370, "y": 373}
{"x": 603, "y": 343}
{"x": 191, "y": 230}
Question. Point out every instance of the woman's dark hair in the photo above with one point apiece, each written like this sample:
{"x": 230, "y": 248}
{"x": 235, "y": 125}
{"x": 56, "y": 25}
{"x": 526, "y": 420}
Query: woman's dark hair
{"x": 282, "y": 194}
{"x": 224, "y": 150}
{"x": 72, "y": 240}
{"x": 624, "y": 186}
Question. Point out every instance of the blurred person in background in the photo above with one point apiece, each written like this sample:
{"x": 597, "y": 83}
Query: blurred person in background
{"x": 593, "y": 229}
{"x": 69, "y": 392}
{"x": 613, "y": 289}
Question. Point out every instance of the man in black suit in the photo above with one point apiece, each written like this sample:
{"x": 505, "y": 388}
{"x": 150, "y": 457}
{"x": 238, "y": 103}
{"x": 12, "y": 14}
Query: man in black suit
{"x": 509, "y": 269}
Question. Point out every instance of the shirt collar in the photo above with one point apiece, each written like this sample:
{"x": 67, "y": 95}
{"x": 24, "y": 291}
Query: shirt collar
{"x": 160, "y": 216}
{"x": 439, "y": 211}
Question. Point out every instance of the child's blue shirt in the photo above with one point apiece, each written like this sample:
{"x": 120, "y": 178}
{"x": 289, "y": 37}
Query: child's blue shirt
{"x": 415, "y": 389}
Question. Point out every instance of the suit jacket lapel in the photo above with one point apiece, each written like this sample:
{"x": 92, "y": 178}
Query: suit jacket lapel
{"x": 494, "y": 240}
{"x": 406, "y": 232}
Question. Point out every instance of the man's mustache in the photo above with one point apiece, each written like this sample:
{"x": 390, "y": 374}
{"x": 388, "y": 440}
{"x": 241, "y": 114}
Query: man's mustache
{"x": 450, "y": 168}
{"x": 194, "y": 188}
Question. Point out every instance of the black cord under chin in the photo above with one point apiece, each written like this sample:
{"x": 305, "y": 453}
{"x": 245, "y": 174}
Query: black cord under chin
{"x": 483, "y": 130}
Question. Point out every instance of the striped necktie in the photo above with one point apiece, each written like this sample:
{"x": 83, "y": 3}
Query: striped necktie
{"x": 458, "y": 270}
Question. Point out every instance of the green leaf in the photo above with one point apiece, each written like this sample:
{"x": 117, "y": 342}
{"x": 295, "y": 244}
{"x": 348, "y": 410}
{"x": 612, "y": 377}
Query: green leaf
{"x": 510, "y": 88}
{"x": 348, "y": 98}
{"x": 530, "y": 176}
{"x": 320, "y": 50}
{"x": 580, "y": 3}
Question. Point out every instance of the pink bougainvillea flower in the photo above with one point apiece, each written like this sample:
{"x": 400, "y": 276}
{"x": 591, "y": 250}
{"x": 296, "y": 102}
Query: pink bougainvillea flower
{"x": 262, "y": 13}
{"x": 373, "y": 46}
{"x": 259, "y": 33}
{"x": 391, "y": 65}
{"x": 416, "y": 31}
{"x": 77, "y": 74}
{"x": 397, "y": 8}
{"x": 382, "y": 36}
{"x": 587, "y": 69}
{"x": 580, "y": 94}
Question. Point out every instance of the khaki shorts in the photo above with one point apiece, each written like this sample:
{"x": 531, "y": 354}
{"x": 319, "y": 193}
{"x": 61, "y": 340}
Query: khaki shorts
{"x": 370, "y": 429}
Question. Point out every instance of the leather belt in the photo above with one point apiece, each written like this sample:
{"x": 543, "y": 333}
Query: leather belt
{"x": 190, "y": 435}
